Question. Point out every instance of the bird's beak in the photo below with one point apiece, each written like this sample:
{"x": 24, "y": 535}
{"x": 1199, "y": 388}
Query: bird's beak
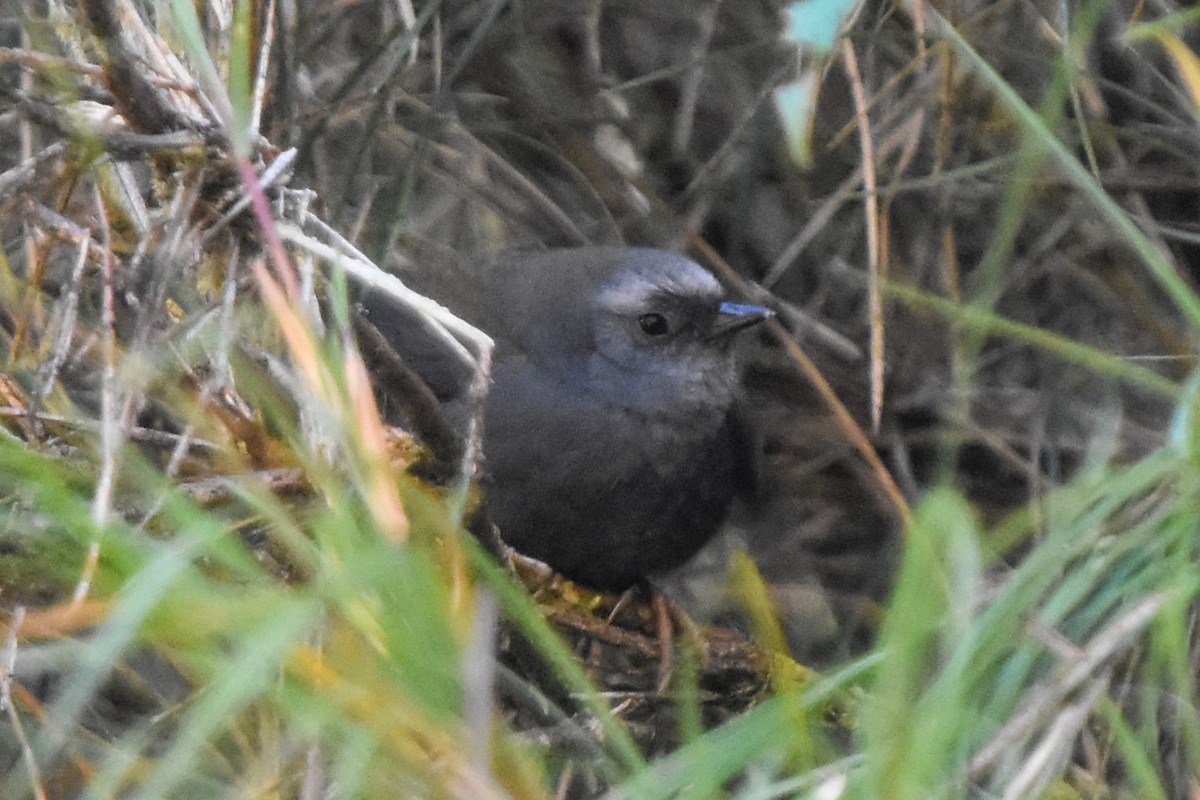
{"x": 733, "y": 317}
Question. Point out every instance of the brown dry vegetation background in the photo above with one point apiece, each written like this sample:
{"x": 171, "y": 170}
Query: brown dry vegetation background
{"x": 653, "y": 124}
{"x": 473, "y": 127}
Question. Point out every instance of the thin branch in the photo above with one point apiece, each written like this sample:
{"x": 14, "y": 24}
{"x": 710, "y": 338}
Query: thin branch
{"x": 7, "y": 668}
{"x": 125, "y": 76}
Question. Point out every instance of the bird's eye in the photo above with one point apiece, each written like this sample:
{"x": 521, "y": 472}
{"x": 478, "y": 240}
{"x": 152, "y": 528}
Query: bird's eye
{"x": 654, "y": 324}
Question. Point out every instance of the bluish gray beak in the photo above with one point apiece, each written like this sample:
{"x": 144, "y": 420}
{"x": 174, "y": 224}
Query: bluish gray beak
{"x": 733, "y": 317}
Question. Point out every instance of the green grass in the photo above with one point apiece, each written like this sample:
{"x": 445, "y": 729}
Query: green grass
{"x": 343, "y": 635}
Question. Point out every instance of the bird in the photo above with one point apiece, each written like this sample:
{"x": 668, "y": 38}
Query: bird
{"x": 612, "y": 447}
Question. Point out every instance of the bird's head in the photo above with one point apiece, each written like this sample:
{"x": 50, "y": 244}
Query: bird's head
{"x": 639, "y": 327}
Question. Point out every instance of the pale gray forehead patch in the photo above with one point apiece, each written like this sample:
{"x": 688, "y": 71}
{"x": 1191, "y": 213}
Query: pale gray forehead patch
{"x": 635, "y": 285}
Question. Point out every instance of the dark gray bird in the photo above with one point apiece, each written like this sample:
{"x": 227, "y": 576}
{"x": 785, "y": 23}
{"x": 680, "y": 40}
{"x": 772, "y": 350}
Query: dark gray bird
{"x": 610, "y": 446}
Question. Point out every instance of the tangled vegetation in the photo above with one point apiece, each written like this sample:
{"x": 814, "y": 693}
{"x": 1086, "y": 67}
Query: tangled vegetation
{"x": 223, "y": 574}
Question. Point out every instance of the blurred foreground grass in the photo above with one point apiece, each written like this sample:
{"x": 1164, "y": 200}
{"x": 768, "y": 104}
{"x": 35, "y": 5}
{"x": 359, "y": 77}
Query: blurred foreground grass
{"x": 221, "y": 580}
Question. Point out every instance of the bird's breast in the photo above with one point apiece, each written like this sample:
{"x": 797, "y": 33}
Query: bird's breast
{"x": 602, "y": 490}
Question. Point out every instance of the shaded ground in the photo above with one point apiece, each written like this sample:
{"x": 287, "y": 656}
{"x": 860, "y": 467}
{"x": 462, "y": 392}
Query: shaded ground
{"x": 539, "y": 123}
{"x": 653, "y": 123}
